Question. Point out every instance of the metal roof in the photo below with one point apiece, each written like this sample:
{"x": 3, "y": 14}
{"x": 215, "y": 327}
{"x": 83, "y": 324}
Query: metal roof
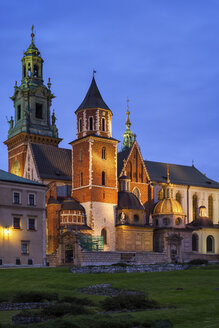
{"x": 93, "y": 98}
{"x": 179, "y": 174}
{"x": 5, "y": 176}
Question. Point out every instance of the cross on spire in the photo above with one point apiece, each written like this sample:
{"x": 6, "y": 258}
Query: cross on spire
{"x": 32, "y": 34}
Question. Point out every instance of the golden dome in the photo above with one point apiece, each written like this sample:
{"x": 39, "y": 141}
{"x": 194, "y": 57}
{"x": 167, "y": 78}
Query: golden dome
{"x": 168, "y": 206}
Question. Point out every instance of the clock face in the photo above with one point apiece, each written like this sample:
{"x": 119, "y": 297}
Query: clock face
{"x": 16, "y": 168}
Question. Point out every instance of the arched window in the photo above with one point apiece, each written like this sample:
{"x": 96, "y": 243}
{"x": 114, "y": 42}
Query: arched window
{"x": 178, "y": 197}
{"x": 81, "y": 178}
{"x": 195, "y": 242}
{"x": 91, "y": 123}
{"x": 24, "y": 71}
{"x": 103, "y": 153}
{"x": 210, "y": 244}
{"x": 103, "y": 178}
{"x": 103, "y": 124}
{"x": 16, "y": 169}
{"x": 136, "y": 192}
{"x": 104, "y": 235}
{"x": 210, "y": 207}
{"x": 80, "y": 155}
{"x": 136, "y": 218}
{"x": 160, "y": 194}
{"x": 35, "y": 70}
{"x": 80, "y": 124}
{"x": 194, "y": 207}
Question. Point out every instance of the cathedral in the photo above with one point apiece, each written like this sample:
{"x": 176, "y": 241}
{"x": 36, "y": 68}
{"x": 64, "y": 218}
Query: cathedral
{"x": 106, "y": 204}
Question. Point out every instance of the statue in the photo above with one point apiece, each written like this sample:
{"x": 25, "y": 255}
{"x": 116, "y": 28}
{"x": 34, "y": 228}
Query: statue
{"x": 11, "y": 122}
{"x": 53, "y": 118}
{"x": 123, "y": 218}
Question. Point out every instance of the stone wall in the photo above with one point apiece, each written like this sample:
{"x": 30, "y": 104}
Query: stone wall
{"x": 192, "y": 256}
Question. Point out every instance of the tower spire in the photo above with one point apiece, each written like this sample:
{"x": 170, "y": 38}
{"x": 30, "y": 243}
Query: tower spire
{"x": 128, "y": 136}
{"x": 32, "y": 34}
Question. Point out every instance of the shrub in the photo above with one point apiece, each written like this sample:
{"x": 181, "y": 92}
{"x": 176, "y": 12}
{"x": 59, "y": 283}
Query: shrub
{"x": 76, "y": 300}
{"x": 162, "y": 324}
{"x": 26, "y": 297}
{"x": 129, "y": 302}
{"x": 58, "y": 310}
{"x": 198, "y": 262}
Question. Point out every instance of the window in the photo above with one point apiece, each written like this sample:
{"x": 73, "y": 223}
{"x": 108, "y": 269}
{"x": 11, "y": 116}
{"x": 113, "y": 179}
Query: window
{"x": 81, "y": 179}
{"x": 103, "y": 178}
{"x": 194, "y": 206}
{"x": 31, "y": 224}
{"x": 80, "y": 125}
{"x": 178, "y": 221}
{"x": 160, "y": 194}
{"x": 136, "y": 192}
{"x": 30, "y": 262}
{"x": 35, "y": 70}
{"x": 103, "y": 124}
{"x": 104, "y": 235}
{"x": 210, "y": 244}
{"x": 195, "y": 242}
{"x": 80, "y": 156}
{"x": 39, "y": 111}
{"x": 210, "y": 207}
{"x": 165, "y": 221}
{"x": 24, "y": 71}
{"x": 91, "y": 123}
{"x": 16, "y": 198}
{"x": 16, "y": 168}
{"x": 18, "y": 262}
{"x": 136, "y": 218}
{"x": 18, "y": 112}
{"x": 178, "y": 197}
{"x": 1, "y": 262}
{"x": 129, "y": 170}
{"x": 103, "y": 153}
{"x": 24, "y": 247}
{"x": 31, "y": 199}
{"x": 16, "y": 223}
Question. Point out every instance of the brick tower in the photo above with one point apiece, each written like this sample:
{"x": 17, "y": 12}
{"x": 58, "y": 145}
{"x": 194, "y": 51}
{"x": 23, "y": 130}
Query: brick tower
{"x": 32, "y": 119}
{"x": 94, "y": 165}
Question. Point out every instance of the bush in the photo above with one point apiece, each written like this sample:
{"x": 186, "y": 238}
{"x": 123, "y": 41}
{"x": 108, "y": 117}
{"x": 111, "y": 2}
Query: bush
{"x": 58, "y": 310}
{"x": 26, "y": 297}
{"x": 76, "y": 300}
{"x": 198, "y": 262}
{"x": 129, "y": 302}
{"x": 162, "y": 324}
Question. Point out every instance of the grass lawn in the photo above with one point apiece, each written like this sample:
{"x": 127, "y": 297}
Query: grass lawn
{"x": 196, "y": 306}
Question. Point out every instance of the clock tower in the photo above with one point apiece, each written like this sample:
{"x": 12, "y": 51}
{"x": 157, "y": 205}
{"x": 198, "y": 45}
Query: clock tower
{"x": 32, "y": 121}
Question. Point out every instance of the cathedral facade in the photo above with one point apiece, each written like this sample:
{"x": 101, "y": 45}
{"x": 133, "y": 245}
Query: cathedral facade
{"x": 105, "y": 205}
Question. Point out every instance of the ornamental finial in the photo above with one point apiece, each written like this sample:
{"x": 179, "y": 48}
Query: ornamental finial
{"x": 32, "y": 34}
{"x": 168, "y": 174}
{"x": 127, "y": 100}
{"x": 94, "y": 72}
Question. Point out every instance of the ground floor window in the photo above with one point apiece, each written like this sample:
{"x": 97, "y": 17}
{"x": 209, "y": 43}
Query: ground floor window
{"x": 210, "y": 244}
{"x": 104, "y": 235}
{"x": 195, "y": 242}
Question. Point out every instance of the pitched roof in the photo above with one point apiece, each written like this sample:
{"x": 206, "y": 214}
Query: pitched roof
{"x": 179, "y": 174}
{"x": 5, "y": 176}
{"x": 120, "y": 158}
{"x": 52, "y": 162}
{"x": 93, "y": 98}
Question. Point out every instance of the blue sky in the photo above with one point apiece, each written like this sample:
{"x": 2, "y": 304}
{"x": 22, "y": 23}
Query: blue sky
{"x": 162, "y": 54}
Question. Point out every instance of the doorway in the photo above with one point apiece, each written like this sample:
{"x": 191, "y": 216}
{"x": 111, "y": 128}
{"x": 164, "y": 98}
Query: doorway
{"x": 69, "y": 255}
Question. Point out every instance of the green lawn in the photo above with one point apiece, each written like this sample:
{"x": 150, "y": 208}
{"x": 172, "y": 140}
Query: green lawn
{"x": 197, "y": 305}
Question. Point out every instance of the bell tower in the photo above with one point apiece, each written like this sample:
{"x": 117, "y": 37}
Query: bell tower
{"x": 94, "y": 165}
{"x": 32, "y": 121}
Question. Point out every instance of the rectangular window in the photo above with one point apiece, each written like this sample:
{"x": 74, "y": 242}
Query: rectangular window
{"x": 16, "y": 223}
{"x": 30, "y": 262}
{"x": 24, "y": 247}
{"x": 31, "y": 224}
{"x": 90, "y": 123}
{"x": 80, "y": 125}
{"x": 1, "y": 262}
{"x": 16, "y": 198}
{"x": 39, "y": 111}
{"x": 18, "y": 112}
{"x": 81, "y": 179}
{"x": 31, "y": 199}
{"x": 18, "y": 262}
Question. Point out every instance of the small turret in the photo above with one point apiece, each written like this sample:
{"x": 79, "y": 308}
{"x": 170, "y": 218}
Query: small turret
{"x": 128, "y": 136}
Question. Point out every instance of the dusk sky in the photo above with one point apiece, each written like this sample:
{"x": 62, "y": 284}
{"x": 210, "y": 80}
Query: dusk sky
{"x": 162, "y": 54}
